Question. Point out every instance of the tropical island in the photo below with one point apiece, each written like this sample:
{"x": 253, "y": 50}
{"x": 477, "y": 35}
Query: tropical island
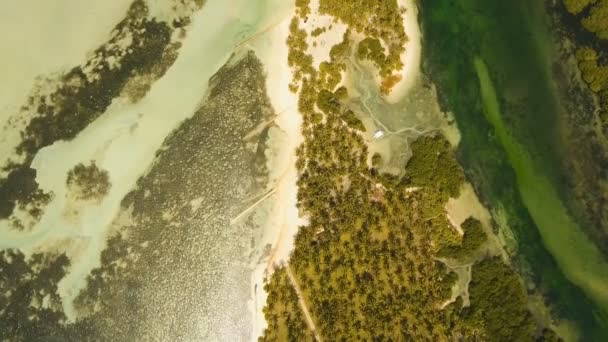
{"x": 379, "y": 257}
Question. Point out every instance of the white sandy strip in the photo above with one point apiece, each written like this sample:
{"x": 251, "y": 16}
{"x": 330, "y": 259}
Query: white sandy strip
{"x": 468, "y": 205}
{"x": 465, "y": 206}
{"x": 412, "y": 55}
{"x": 284, "y": 219}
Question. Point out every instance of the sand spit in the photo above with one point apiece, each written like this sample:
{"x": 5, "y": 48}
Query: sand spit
{"x": 411, "y": 56}
{"x": 283, "y": 217}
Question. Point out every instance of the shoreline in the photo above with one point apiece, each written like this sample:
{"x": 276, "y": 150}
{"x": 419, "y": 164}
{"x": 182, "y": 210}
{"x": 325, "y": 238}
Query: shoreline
{"x": 412, "y": 55}
{"x": 283, "y": 217}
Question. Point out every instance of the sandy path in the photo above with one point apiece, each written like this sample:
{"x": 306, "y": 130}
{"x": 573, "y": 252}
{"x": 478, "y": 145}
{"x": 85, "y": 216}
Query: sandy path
{"x": 303, "y": 306}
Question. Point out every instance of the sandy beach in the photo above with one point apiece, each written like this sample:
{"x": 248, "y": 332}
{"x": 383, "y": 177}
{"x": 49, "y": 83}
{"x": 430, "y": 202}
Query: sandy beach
{"x": 411, "y": 56}
{"x": 283, "y": 218}
{"x": 465, "y": 206}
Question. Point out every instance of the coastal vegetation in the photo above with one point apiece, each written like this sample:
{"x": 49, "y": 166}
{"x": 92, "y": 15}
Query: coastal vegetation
{"x": 382, "y": 24}
{"x": 371, "y": 49}
{"x": 594, "y": 15}
{"x": 597, "y": 20}
{"x": 368, "y": 261}
{"x": 285, "y": 319}
{"x": 498, "y": 304}
{"x": 593, "y": 73}
{"x": 474, "y": 237}
{"x": 576, "y": 6}
{"x": 434, "y": 167}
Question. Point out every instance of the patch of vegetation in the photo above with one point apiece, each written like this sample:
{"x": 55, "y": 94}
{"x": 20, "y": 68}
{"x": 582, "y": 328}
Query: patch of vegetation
{"x": 285, "y": 319}
{"x": 594, "y": 74}
{"x": 318, "y": 31}
{"x": 498, "y": 304}
{"x": 474, "y": 237}
{"x": 328, "y": 103}
{"x": 597, "y": 20}
{"x": 298, "y": 55}
{"x": 371, "y": 49}
{"x": 596, "y": 77}
{"x": 20, "y": 188}
{"x": 303, "y": 8}
{"x": 380, "y": 21}
{"x": 352, "y": 121}
{"x": 88, "y": 181}
{"x": 331, "y": 74}
{"x": 577, "y": 6}
{"x": 432, "y": 166}
{"x": 341, "y": 50}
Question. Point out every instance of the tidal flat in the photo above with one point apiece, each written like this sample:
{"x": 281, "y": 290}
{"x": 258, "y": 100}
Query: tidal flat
{"x": 178, "y": 145}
